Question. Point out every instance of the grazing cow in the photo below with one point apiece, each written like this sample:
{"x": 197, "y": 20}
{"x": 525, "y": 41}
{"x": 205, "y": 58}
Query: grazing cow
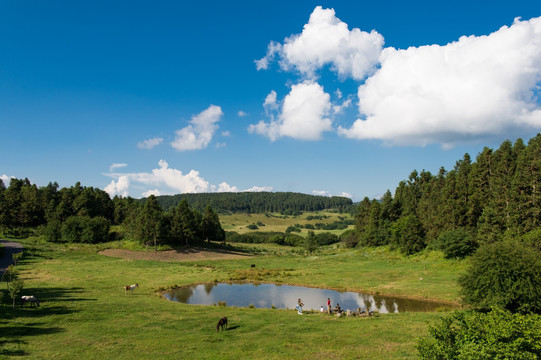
{"x": 252, "y": 266}
{"x": 29, "y": 299}
{"x": 222, "y": 322}
{"x": 130, "y": 288}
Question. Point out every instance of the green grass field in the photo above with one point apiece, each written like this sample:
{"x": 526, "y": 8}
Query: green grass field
{"x": 84, "y": 313}
{"x": 276, "y": 222}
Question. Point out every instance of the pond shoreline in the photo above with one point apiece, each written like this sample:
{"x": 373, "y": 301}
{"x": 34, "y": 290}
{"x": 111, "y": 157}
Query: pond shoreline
{"x": 435, "y": 301}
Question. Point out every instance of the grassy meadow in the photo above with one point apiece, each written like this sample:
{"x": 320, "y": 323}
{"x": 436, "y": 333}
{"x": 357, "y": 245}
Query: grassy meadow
{"x": 84, "y": 313}
{"x": 275, "y": 222}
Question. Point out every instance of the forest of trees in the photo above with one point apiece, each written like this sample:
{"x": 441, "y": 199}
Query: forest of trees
{"x": 477, "y": 202}
{"x": 287, "y": 203}
{"x": 85, "y": 214}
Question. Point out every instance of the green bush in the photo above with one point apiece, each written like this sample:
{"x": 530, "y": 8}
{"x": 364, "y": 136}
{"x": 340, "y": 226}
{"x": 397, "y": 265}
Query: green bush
{"x": 457, "y": 243}
{"x": 53, "y": 231}
{"x": 349, "y": 238}
{"x": 85, "y": 229}
{"x": 473, "y": 335}
{"x": 72, "y": 229}
{"x": 505, "y": 274}
{"x": 95, "y": 230}
{"x": 326, "y": 238}
{"x": 292, "y": 229}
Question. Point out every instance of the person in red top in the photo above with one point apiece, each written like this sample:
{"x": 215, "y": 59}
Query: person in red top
{"x": 329, "y": 305}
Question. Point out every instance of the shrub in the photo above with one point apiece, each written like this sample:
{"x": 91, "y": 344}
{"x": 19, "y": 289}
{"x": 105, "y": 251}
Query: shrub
{"x": 472, "y": 335}
{"x": 326, "y": 238}
{"x": 252, "y": 227}
{"x": 53, "y": 231}
{"x": 95, "y": 230}
{"x": 292, "y": 229}
{"x": 72, "y": 229}
{"x": 349, "y": 238}
{"x": 505, "y": 274}
{"x": 457, "y": 243}
{"x": 85, "y": 229}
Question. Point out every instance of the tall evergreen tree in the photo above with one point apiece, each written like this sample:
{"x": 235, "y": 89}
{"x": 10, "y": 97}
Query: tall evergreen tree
{"x": 211, "y": 227}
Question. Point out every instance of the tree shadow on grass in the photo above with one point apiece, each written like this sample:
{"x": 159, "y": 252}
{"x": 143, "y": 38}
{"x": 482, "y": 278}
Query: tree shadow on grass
{"x": 57, "y": 294}
{"x": 11, "y": 337}
{"x": 51, "y": 303}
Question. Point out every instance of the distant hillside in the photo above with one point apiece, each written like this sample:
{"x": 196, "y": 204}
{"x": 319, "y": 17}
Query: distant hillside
{"x": 258, "y": 202}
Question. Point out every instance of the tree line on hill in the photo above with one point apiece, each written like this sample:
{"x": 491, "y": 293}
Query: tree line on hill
{"x": 477, "y": 202}
{"x": 287, "y": 203}
{"x": 85, "y": 214}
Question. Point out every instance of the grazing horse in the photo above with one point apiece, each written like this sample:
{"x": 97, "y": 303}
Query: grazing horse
{"x": 29, "y": 299}
{"x": 222, "y": 322}
{"x": 130, "y": 288}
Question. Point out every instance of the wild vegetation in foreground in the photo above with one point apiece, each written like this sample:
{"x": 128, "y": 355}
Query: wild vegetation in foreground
{"x": 84, "y": 312}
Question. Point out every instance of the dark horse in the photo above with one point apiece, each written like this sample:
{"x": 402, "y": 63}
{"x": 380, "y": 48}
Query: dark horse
{"x": 222, "y": 323}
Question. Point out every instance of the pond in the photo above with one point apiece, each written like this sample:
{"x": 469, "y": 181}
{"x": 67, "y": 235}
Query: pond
{"x": 262, "y": 295}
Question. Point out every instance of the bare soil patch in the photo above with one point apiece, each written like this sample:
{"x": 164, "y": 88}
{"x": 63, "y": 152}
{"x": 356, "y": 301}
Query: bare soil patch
{"x": 178, "y": 255}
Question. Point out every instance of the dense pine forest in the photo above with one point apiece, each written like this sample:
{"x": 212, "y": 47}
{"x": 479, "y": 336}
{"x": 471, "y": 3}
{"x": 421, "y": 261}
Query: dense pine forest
{"x": 478, "y": 202}
{"x": 287, "y": 203}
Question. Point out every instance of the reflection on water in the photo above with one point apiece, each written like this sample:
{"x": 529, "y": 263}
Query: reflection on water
{"x": 285, "y": 296}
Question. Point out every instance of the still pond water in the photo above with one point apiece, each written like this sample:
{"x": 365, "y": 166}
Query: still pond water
{"x": 285, "y": 296}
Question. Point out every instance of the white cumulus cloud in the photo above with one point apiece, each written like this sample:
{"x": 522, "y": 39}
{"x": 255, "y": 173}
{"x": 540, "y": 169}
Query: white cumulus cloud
{"x": 303, "y": 114}
{"x": 199, "y": 133}
{"x": 477, "y": 86}
{"x": 149, "y": 143}
{"x": 164, "y": 180}
{"x": 119, "y": 187}
{"x": 324, "y": 40}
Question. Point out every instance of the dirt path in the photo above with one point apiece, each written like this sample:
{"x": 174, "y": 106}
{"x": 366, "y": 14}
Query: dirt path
{"x": 180, "y": 255}
{"x": 6, "y": 258}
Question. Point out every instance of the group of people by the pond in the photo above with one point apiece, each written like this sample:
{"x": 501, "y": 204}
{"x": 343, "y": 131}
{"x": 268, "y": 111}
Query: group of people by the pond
{"x": 337, "y": 310}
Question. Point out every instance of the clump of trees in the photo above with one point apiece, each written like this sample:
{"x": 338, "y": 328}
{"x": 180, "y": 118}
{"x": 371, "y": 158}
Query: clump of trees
{"x": 496, "y": 196}
{"x": 85, "y": 214}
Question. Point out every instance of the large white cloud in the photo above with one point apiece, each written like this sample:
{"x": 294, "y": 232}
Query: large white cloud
{"x": 303, "y": 114}
{"x": 475, "y": 88}
{"x": 199, "y": 133}
{"x": 471, "y": 88}
{"x": 166, "y": 181}
{"x": 324, "y": 40}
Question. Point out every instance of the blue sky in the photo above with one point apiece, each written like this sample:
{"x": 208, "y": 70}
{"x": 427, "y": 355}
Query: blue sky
{"x": 328, "y": 97}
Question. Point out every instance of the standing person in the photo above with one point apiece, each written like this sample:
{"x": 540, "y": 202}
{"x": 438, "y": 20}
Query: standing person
{"x": 329, "y": 305}
{"x": 299, "y": 306}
